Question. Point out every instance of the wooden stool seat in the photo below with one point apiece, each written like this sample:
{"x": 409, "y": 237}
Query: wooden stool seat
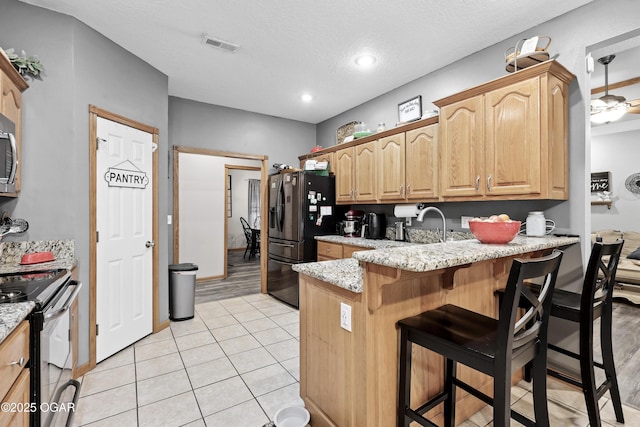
{"x": 493, "y": 347}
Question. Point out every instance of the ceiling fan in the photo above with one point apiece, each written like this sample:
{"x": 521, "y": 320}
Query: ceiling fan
{"x": 608, "y": 107}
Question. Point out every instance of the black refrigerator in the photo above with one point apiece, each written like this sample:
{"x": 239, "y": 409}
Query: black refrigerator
{"x": 301, "y": 206}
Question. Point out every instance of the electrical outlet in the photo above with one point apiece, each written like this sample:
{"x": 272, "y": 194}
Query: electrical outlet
{"x": 464, "y": 221}
{"x": 345, "y": 316}
{"x": 169, "y": 219}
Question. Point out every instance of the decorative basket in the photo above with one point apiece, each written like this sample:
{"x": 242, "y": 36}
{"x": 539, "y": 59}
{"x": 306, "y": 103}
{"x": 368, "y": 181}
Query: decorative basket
{"x": 517, "y": 61}
{"x": 345, "y": 131}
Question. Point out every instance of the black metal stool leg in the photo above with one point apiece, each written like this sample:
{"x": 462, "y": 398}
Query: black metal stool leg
{"x": 587, "y": 373}
{"x": 501, "y": 398}
{"x": 404, "y": 377}
{"x": 450, "y": 388}
{"x": 539, "y": 373}
{"x": 609, "y": 366}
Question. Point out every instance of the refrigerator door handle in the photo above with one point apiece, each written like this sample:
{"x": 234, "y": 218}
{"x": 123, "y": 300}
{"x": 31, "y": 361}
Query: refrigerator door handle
{"x": 279, "y": 207}
{"x": 284, "y": 245}
{"x": 280, "y": 262}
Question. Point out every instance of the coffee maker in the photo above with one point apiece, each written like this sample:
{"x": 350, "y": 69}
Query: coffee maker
{"x": 353, "y": 223}
{"x": 376, "y": 226}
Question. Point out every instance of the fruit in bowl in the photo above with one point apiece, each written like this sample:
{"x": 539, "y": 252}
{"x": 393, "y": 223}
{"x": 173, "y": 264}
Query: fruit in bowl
{"x": 497, "y": 229}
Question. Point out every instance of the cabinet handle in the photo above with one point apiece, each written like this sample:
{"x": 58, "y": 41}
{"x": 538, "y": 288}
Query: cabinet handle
{"x": 401, "y": 190}
{"x": 489, "y": 183}
{"x": 477, "y": 182}
{"x": 20, "y": 362}
{"x": 408, "y": 189}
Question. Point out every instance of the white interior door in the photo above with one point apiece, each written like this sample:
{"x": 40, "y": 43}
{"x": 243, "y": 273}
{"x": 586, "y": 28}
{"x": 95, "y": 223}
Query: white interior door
{"x": 124, "y": 214}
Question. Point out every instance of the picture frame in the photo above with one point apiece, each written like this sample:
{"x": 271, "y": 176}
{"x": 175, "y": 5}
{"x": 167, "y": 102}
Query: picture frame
{"x": 410, "y": 110}
{"x": 600, "y": 181}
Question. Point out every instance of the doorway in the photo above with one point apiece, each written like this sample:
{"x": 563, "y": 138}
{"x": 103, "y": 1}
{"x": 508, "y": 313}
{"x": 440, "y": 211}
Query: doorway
{"x": 200, "y": 207}
{"x": 124, "y": 299}
{"x": 614, "y": 147}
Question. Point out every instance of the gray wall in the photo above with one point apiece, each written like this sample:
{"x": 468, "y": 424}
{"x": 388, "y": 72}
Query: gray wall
{"x": 82, "y": 68}
{"x": 573, "y": 36}
{"x": 198, "y": 125}
{"x": 195, "y": 124}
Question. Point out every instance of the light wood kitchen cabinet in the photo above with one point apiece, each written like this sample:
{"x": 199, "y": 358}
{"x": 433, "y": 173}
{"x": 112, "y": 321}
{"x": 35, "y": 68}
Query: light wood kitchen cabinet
{"x": 14, "y": 376}
{"x": 461, "y": 129}
{"x": 11, "y": 87}
{"x": 356, "y": 174}
{"x": 329, "y": 250}
{"x": 391, "y": 167}
{"x": 407, "y": 165}
{"x": 507, "y": 139}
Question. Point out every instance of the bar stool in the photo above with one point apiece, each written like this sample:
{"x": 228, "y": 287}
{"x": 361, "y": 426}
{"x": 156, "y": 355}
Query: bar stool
{"x": 594, "y": 302}
{"x": 495, "y": 347}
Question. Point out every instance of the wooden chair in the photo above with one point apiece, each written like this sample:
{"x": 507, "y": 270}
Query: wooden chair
{"x": 253, "y": 241}
{"x": 495, "y": 347}
{"x": 595, "y": 301}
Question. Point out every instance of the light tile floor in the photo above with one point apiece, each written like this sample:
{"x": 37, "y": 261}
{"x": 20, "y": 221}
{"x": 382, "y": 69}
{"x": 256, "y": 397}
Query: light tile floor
{"x": 235, "y": 364}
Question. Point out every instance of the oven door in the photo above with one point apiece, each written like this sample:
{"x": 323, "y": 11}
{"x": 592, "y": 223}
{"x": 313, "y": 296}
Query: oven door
{"x": 56, "y": 402}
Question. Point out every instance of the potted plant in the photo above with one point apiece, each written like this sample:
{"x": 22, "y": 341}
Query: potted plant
{"x": 27, "y": 66}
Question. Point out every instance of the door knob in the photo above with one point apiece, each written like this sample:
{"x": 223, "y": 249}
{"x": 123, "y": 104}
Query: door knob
{"x": 150, "y": 243}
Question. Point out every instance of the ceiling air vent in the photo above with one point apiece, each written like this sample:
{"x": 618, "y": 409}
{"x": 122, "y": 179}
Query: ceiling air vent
{"x": 219, "y": 44}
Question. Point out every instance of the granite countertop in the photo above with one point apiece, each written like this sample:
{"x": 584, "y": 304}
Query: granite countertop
{"x": 11, "y": 315}
{"x": 415, "y": 236}
{"x": 63, "y": 251}
{"x": 11, "y": 253}
{"x": 347, "y": 273}
{"x": 364, "y": 243}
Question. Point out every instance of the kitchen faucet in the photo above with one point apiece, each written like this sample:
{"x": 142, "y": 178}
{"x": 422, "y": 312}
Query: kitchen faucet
{"x": 444, "y": 223}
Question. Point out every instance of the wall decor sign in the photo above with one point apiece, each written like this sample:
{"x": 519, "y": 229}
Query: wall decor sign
{"x": 633, "y": 183}
{"x": 410, "y": 110}
{"x": 126, "y": 174}
{"x": 600, "y": 181}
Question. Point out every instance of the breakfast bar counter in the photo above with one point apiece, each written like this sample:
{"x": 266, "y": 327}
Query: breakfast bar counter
{"x": 349, "y": 378}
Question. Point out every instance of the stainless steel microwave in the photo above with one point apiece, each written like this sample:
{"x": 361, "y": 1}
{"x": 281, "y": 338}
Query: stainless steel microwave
{"x": 8, "y": 155}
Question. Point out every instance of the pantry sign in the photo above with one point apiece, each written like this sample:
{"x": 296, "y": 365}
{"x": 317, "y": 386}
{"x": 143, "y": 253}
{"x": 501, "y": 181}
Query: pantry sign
{"x": 126, "y": 174}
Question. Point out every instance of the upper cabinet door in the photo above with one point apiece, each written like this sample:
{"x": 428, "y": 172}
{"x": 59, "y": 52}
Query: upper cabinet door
{"x": 421, "y": 151}
{"x": 512, "y": 139}
{"x": 555, "y": 131}
{"x": 365, "y": 172}
{"x": 461, "y": 145}
{"x": 344, "y": 163}
{"x": 391, "y": 167}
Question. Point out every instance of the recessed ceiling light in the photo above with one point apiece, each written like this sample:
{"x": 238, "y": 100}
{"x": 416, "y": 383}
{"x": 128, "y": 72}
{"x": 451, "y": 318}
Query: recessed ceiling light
{"x": 365, "y": 60}
{"x": 306, "y": 97}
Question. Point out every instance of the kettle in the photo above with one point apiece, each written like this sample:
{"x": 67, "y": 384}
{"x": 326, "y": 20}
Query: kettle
{"x": 376, "y": 226}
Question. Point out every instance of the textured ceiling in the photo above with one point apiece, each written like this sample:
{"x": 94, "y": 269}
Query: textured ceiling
{"x": 289, "y": 47}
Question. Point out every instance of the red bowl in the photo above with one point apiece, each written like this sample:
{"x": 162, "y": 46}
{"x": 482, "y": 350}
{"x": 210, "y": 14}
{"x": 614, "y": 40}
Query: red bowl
{"x": 496, "y": 232}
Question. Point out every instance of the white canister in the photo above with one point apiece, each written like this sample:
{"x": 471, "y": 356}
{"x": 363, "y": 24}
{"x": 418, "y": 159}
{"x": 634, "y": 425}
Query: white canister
{"x": 538, "y": 226}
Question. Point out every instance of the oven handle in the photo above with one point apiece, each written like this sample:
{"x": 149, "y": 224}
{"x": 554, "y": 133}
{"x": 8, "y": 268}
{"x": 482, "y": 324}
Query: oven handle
{"x": 59, "y": 312}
